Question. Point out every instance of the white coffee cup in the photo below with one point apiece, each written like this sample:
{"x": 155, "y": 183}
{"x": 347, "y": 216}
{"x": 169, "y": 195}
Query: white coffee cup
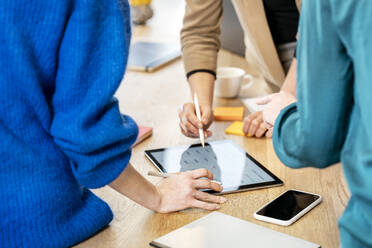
{"x": 230, "y": 80}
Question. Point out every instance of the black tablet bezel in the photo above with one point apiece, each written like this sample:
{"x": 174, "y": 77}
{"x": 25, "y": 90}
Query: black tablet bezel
{"x": 276, "y": 182}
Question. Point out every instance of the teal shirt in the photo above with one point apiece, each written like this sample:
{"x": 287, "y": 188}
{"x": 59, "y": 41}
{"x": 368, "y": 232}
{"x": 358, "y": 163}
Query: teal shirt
{"x": 332, "y": 120}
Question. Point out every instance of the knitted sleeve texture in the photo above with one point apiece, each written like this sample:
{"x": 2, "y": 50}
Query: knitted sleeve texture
{"x": 87, "y": 124}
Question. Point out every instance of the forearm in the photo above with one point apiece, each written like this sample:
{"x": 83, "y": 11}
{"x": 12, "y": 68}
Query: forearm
{"x": 202, "y": 83}
{"x": 134, "y": 186}
{"x": 297, "y": 144}
{"x": 200, "y": 34}
{"x": 290, "y": 82}
{"x": 175, "y": 193}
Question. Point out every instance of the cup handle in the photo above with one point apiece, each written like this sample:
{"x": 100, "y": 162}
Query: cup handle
{"x": 248, "y": 81}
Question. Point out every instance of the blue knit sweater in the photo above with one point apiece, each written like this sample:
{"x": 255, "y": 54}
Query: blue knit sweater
{"x": 61, "y": 131}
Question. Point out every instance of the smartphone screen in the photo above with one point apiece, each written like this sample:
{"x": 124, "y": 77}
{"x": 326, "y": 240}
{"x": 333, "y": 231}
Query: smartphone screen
{"x": 288, "y": 205}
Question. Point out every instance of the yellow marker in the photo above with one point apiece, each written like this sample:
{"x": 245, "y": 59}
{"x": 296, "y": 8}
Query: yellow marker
{"x": 228, "y": 113}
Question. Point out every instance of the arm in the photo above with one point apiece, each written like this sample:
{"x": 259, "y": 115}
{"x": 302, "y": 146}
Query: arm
{"x": 290, "y": 81}
{"x": 312, "y": 131}
{"x": 200, "y": 45}
{"x": 133, "y": 185}
{"x": 200, "y": 34}
{"x": 201, "y": 83}
{"x": 87, "y": 124}
{"x": 172, "y": 194}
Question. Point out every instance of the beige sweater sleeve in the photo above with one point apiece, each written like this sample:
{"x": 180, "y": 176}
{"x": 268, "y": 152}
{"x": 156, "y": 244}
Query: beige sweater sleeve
{"x": 200, "y": 34}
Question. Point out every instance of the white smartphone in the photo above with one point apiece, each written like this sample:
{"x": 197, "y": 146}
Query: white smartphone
{"x": 288, "y": 207}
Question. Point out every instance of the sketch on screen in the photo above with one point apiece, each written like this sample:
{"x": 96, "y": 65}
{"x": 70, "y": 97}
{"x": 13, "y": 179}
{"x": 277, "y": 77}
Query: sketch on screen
{"x": 225, "y": 160}
{"x": 195, "y": 158}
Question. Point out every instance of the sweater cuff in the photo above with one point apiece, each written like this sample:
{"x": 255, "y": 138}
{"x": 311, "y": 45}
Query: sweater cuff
{"x": 104, "y": 173}
{"x": 201, "y": 70}
{"x": 279, "y": 137}
{"x": 103, "y": 165}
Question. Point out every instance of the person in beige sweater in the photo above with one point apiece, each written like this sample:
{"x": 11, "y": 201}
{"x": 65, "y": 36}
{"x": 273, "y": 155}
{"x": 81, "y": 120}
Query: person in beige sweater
{"x": 270, "y": 28}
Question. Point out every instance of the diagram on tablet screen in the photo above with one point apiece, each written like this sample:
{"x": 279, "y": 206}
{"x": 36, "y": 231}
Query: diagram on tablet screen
{"x": 228, "y": 164}
{"x": 195, "y": 158}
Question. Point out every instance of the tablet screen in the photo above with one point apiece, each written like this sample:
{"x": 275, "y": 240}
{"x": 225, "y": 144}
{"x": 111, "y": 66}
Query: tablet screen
{"x": 229, "y": 164}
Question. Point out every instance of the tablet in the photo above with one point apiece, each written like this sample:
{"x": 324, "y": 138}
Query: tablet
{"x": 232, "y": 166}
{"x": 149, "y": 56}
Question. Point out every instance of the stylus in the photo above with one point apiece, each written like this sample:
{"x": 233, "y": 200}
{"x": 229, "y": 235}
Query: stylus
{"x": 165, "y": 175}
{"x": 197, "y": 108}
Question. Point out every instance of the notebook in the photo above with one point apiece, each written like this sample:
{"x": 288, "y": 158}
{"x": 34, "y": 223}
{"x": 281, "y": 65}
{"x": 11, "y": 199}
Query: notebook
{"x": 228, "y": 113}
{"x": 149, "y": 56}
{"x": 236, "y": 128}
{"x": 219, "y": 230}
{"x": 143, "y": 133}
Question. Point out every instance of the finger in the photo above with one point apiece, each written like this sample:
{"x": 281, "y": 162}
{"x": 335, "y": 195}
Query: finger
{"x": 189, "y": 110}
{"x": 248, "y": 120}
{"x": 254, "y": 126}
{"x": 207, "y": 116}
{"x": 207, "y": 184}
{"x": 182, "y": 117}
{"x": 183, "y": 131}
{"x": 247, "y": 124}
{"x": 180, "y": 110}
{"x": 204, "y": 205}
{"x": 205, "y": 197}
{"x": 208, "y": 133}
{"x": 269, "y": 133}
{"x": 187, "y": 125}
{"x": 187, "y": 133}
{"x": 202, "y": 172}
{"x": 261, "y": 130}
{"x": 268, "y": 125}
{"x": 191, "y": 128}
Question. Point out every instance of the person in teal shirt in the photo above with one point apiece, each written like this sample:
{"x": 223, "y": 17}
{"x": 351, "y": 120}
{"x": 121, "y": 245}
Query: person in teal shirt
{"x": 332, "y": 118}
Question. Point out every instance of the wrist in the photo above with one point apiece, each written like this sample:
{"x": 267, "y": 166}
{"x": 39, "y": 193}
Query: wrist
{"x": 205, "y": 101}
{"x": 206, "y": 106}
{"x": 287, "y": 92}
{"x": 202, "y": 84}
{"x": 189, "y": 74}
{"x": 157, "y": 207}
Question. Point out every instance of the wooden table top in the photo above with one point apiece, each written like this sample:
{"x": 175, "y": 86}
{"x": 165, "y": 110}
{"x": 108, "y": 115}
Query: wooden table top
{"x": 153, "y": 99}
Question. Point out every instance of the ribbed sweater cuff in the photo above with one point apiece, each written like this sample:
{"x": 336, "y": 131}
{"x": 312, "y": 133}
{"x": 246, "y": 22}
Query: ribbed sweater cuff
{"x": 201, "y": 70}
{"x": 105, "y": 173}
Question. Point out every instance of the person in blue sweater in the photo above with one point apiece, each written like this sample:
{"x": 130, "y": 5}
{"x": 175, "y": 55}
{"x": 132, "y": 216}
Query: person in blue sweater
{"x": 61, "y": 131}
{"x": 331, "y": 120}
